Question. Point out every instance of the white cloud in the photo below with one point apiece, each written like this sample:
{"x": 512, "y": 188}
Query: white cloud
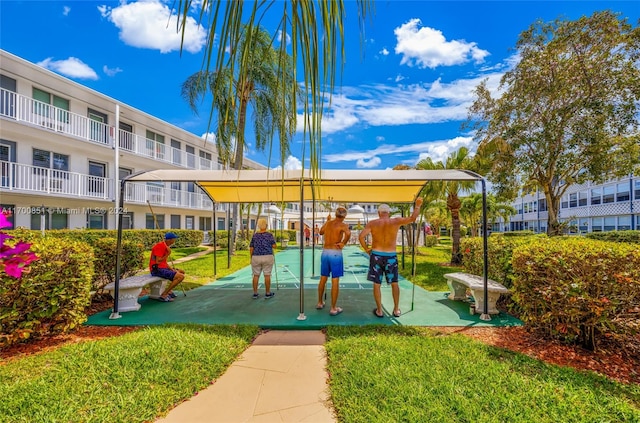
{"x": 71, "y": 67}
{"x": 437, "y": 150}
{"x": 111, "y": 71}
{"x": 384, "y": 52}
{"x": 209, "y": 137}
{"x": 287, "y": 38}
{"x": 66, "y": 10}
{"x": 427, "y": 48}
{"x": 150, "y": 24}
{"x": 292, "y": 163}
{"x": 368, "y": 164}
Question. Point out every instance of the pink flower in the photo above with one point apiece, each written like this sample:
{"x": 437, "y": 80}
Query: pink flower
{"x": 14, "y": 260}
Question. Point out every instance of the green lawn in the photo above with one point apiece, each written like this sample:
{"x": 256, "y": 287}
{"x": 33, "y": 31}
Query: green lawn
{"x": 377, "y": 373}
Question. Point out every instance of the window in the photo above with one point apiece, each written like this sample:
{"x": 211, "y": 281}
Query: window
{"x": 205, "y": 223}
{"x": 96, "y": 180}
{"x": 150, "y": 222}
{"x": 543, "y": 204}
{"x": 596, "y": 224}
{"x": 221, "y": 223}
{"x": 573, "y": 200}
{"x": 608, "y": 194}
{"x": 582, "y": 198}
{"x": 583, "y": 226}
{"x": 126, "y": 136}
{"x": 175, "y": 192}
{"x": 565, "y": 202}
{"x": 596, "y": 196}
{"x": 624, "y": 223}
{"x": 56, "y": 220}
{"x": 98, "y": 129}
{"x": 205, "y": 160}
{"x": 622, "y": 193}
{"x": 191, "y": 157}
{"x": 42, "y": 107}
{"x": 637, "y": 189}
{"x": 8, "y": 96}
{"x": 609, "y": 223}
{"x": 188, "y": 222}
{"x": 175, "y": 221}
{"x": 176, "y": 155}
{"x": 155, "y": 145}
{"x": 97, "y": 221}
{"x": 127, "y": 220}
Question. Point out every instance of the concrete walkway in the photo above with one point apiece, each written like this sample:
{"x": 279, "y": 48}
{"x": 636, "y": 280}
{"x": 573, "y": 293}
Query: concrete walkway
{"x": 281, "y": 377}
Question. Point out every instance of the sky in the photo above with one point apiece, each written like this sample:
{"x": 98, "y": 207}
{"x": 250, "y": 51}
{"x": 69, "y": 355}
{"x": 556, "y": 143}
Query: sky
{"x": 402, "y": 94}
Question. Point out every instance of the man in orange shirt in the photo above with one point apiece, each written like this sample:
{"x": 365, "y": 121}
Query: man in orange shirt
{"x": 158, "y": 265}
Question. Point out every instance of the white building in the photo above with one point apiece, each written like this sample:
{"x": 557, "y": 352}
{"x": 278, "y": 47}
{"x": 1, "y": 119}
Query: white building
{"x": 64, "y": 147}
{"x": 614, "y": 205}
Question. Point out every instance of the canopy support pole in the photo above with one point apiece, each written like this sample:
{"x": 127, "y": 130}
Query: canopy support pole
{"x": 215, "y": 244}
{"x": 301, "y": 316}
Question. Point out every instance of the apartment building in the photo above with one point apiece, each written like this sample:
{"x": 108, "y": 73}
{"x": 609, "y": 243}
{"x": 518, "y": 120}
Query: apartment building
{"x": 589, "y": 207}
{"x": 64, "y": 148}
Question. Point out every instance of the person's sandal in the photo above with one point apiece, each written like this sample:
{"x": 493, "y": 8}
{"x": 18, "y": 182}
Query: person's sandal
{"x": 165, "y": 299}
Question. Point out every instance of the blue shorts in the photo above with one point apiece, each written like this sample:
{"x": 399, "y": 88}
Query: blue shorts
{"x": 331, "y": 263}
{"x": 164, "y": 272}
{"x": 382, "y": 263}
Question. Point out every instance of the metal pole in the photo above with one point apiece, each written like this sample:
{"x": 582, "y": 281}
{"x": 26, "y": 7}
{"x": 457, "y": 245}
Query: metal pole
{"x": 215, "y": 243}
{"x": 485, "y": 313}
{"x": 116, "y": 291}
{"x": 301, "y": 316}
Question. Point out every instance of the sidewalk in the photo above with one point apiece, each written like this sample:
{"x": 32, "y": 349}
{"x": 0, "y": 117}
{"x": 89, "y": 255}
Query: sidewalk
{"x": 281, "y": 377}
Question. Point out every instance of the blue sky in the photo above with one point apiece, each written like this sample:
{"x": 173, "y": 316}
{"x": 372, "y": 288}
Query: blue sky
{"x": 402, "y": 95}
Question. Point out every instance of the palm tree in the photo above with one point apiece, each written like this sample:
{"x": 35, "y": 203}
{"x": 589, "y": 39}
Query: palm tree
{"x": 267, "y": 85}
{"x": 450, "y": 190}
{"x": 317, "y": 37}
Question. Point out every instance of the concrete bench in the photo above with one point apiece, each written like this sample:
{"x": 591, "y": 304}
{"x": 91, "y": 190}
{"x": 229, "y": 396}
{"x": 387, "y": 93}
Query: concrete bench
{"x": 460, "y": 282}
{"x": 131, "y": 287}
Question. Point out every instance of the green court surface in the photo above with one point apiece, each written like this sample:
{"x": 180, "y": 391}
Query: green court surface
{"x": 229, "y": 300}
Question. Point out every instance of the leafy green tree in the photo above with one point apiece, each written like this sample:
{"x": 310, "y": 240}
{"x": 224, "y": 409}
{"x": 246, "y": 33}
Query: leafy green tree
{"x": 450, "y": 190}
{"x": 316, "y": 29}
{"x": 267, "y": 84}
{"x": 567, "y": 113}
{"x": 471, "y": 211}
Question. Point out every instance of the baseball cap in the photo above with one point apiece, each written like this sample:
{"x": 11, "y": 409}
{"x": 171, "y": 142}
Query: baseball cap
{"x": 170, "y": 235}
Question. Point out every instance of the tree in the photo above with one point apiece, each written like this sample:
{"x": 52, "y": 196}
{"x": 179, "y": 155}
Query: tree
{"x": 450, "y": 190}
{"x": 317, "y": 40}
{"x": 567, "y": 112}
{"x": 267, "y": 84}
{"x": 471, "y": 211}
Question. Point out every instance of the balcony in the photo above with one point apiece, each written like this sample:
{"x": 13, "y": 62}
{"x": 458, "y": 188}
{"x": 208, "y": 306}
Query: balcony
{"x": 38, "y": 114}
{"x": 20, "y": 178}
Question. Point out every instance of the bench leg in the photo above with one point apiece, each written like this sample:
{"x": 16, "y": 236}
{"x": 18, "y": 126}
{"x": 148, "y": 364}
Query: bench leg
{"x": 157, "y": 288}
{"x": 458, "y": 290}
{"x": 128, "y": 299}
{"x": 492, "y": 299}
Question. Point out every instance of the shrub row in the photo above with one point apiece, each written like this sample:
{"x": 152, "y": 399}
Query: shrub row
{"x": 51, "y": 298}
{"x": 616, "y": 236}
{"x": 574, "y": 289}
{"x": 578, "y": 289}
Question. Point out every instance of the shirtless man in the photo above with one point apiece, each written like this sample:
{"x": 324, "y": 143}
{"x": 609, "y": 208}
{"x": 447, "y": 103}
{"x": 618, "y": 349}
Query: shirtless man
{"x": 336, "y": 234}
{"x": 383, "y": 258}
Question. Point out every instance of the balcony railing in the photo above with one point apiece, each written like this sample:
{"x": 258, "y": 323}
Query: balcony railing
{"x": 39, "y": 180}
{"x": 24, "y": 109}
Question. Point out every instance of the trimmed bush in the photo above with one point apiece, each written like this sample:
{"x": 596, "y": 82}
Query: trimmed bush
{"x": 51, "y": 298}
{"x": 578, "y": 290}
{"x": 616, "y": 236}
{"x": 132, "y": 260}
{"x": 430, "y": 241}
{"x": 499, "y": 250}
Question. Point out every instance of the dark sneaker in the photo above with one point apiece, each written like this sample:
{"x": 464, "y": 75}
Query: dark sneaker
{"x": 256, "y": 296}
{"x": 269, "y": 295}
